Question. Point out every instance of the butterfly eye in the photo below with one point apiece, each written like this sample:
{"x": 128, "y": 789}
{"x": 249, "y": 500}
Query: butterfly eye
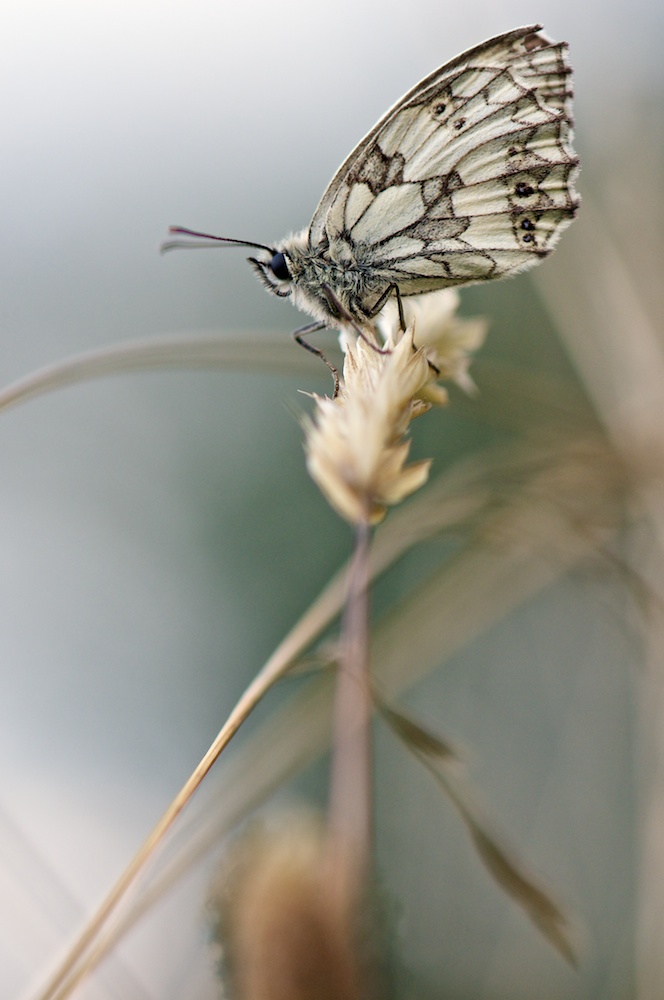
{"x": 279, "y": 267}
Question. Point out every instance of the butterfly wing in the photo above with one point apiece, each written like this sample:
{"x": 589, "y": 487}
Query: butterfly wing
{"x": 468, "y": 177}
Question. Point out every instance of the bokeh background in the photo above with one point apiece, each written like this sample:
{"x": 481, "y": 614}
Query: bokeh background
{"x": 159, "y": 535}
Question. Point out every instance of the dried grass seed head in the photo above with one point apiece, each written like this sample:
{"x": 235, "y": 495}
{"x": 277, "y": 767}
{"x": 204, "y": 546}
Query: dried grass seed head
{"x": 281, "y": 937}
{"x": 355, "y": 443}
{"x": 448, "y": 340}
{"x": 355, "y": 446}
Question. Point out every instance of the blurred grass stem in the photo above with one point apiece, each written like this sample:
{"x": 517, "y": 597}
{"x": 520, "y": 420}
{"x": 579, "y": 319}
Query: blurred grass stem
{"x": 350, "y": 806}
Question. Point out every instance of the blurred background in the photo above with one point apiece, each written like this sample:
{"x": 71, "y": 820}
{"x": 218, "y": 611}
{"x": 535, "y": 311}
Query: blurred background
{"x": 159, "y": 534}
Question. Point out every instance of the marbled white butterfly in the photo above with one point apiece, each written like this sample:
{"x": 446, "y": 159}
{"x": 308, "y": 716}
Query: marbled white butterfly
{"x": 469, "y": 177}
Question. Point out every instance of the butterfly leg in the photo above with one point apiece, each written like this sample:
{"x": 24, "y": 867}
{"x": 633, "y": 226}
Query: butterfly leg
{"x": 402, "y": 318}
{"x": 392, "y": 287}
{"x": 343, "y": 314}
{"x": 299, "y": 336}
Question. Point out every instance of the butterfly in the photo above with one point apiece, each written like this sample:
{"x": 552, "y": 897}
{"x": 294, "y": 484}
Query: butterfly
{"x": 469, "y": 177}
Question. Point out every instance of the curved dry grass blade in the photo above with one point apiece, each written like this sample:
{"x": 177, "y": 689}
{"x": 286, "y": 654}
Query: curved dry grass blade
{"x": 245, "y": 353}
{"x": 522, "y": 887}
{"x": 510, "y": 874}
{"x": 415, "y": 736}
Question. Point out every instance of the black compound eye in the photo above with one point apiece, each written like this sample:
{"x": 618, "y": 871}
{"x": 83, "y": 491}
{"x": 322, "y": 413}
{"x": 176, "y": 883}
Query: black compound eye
{"x": 279, "y": 267}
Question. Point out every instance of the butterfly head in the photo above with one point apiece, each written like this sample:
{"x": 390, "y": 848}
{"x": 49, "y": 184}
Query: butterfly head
{"x": 280, "y": 267}
{"x": 274, "y": 272}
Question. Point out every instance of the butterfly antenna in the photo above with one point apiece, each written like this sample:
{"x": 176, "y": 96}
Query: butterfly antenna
{"x": 212, "y": 241}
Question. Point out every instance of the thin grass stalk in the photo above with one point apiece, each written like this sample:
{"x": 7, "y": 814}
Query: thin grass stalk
{"x": 350, "y": 806}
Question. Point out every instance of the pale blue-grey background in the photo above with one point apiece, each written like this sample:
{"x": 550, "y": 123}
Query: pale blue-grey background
{"x": 158, "y": 533}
